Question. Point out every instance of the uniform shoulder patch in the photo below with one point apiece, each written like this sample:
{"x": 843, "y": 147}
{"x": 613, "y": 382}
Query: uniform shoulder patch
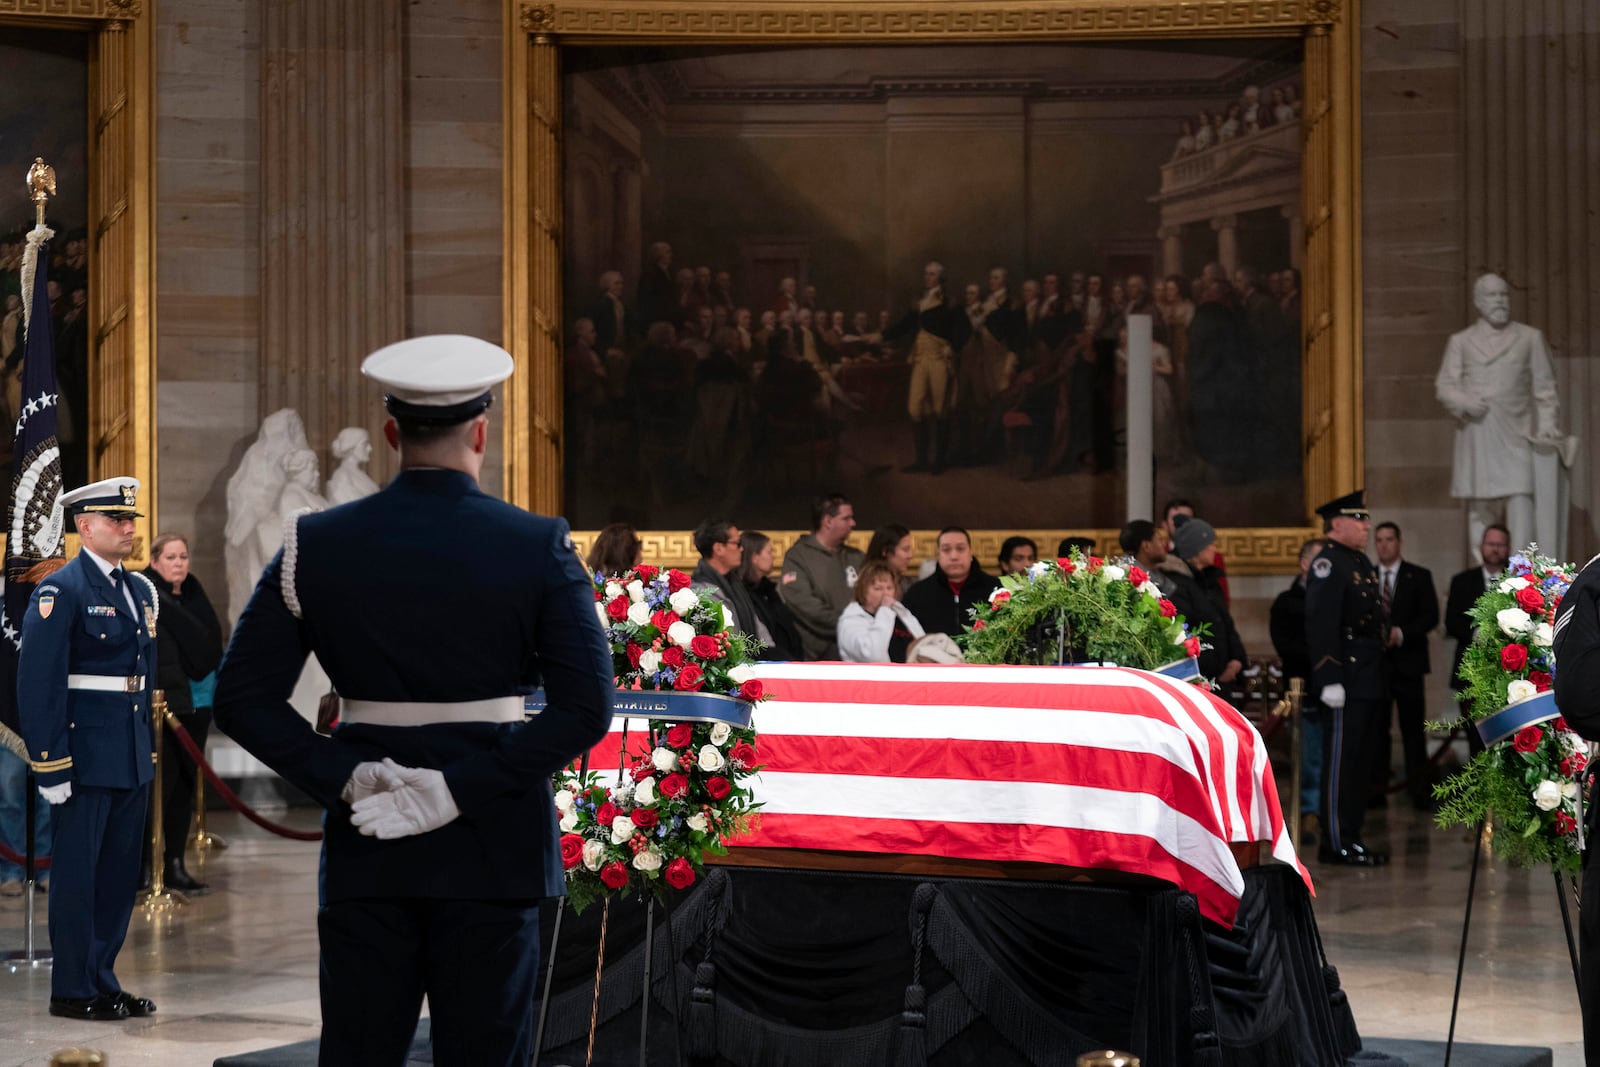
{"x": 789, "y": 576}
{"x": 1321, "y": 568}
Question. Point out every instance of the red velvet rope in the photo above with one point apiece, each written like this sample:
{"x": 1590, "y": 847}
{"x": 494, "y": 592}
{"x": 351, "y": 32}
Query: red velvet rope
{"x": 40, "y": 863}
{"x": 229, "y": 796}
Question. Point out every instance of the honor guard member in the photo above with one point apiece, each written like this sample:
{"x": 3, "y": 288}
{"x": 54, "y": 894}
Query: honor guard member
{"x": 84, "y": 676}
{"x": 434, "y": 608}
{"x": 1345, "y": 633}
{"x": 1577, "y": 689}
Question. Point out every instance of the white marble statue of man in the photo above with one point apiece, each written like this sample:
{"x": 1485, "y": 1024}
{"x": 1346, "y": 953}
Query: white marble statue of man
{"x": 255, "y": 519}
{"x": 352, "y": 448}
{"x": 1498, "y": 381}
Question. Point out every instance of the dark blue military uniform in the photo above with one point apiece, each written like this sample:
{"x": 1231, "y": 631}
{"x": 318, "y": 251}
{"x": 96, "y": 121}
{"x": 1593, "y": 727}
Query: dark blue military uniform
{"x": 80, "y": 631}
{"x": 1345, "y": 632}
{"x": 428, "y": 591}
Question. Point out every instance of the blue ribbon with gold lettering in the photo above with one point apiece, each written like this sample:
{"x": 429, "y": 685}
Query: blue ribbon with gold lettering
{"x": 669, "y": 705}
{"x": 1184, "y": 670}
{"x": 1508, "y": 720}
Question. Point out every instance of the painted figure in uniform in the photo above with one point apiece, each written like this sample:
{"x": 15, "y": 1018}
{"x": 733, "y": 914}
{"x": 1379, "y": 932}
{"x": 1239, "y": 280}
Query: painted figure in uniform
{"x": 937, "y": 331}
{"x": 84, "y": 678}
{"x": 440, "y": 835}
{"x": 1345, "y": 637}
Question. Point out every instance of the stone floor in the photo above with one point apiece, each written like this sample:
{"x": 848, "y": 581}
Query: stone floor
{"x": 236, "y": 970}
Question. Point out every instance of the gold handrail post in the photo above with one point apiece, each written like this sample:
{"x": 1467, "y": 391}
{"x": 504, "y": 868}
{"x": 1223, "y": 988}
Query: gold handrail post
{"x": 158, "y": 898}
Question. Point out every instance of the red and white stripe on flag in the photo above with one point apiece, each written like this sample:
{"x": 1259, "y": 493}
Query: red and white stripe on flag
{"x": 1104, "y": 768}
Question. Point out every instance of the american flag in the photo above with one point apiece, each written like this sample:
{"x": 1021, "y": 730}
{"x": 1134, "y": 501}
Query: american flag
{"x": 1092, "y": 767}
{"x": 34, "y": 527}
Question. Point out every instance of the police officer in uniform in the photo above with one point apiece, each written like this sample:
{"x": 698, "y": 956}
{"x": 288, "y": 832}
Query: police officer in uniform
{"x": 1577, "y": 690}
{"x": 1345, "y": 633}
{"x": 433, "y": 608}
{"x": 84, "y": 677}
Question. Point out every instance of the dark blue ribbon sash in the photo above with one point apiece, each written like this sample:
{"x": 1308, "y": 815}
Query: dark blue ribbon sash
{"x": 1183, "y": 669}
{"x": 1508, "y": 720}
{"x": 667, "y": 705}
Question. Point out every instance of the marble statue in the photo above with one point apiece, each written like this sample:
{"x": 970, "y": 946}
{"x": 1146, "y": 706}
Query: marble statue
{"x": 352, "y": 448}
{"x": 255, "y": 515}
{"x": 1497, "y": 379}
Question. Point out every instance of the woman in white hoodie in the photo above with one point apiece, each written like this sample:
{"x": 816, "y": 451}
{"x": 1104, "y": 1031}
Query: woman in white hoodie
{"x": 875, "y": 627}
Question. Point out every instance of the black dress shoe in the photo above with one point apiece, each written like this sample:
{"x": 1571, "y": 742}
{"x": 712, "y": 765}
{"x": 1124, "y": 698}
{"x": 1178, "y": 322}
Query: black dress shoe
{"x": 1373, "y": 859}
{"x": 179, "y": 878}
{"x": 136, "y": 1007}
{"x": 101, "y": 1009}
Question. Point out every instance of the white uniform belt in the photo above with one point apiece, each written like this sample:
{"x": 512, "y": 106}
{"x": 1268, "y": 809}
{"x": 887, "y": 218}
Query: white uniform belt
{"x": 418, "y": 713}
{"x": 107, "y": 683}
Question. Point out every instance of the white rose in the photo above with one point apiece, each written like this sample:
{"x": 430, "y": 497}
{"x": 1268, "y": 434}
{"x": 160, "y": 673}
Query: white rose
{"x": 1150, "y": 588}
{"x": 711, "y": 758}
{"x": 636, "y": 590}
{"x": 1113, "y": 572}
{"x": 1547, "y": 795}
{"x": 639, "y": 613}
{"x": 1520, "y": 690}
{"x": 1543, "y": 635}
{"x": 698, "y": 822}
{"x": 720, "y": 734}
{"x": 681, "y": 634}
{"x": 742, "y": 673}
{"x": 1569, "y": 790}
{"x": 648, "y": 860}
{"x": 594, "y": 855}
{"x": 1040, "y": 569}
{"x": 622, "y": 828}
{"x": 684, "y": 601}
{"x": 565, "y": 798}
{"x": 1511, "y": 585}
{"x": 600, "y": 610}
{"x": 663, "y": 759}
{"x": 1571, "y": 742}
{"x": 649, "y": 661}
{"x": 645, "y": 792}
{"x": 613, "y": 590}
{"x": 1514, "y": 622}
{"x": 569, "y": 821}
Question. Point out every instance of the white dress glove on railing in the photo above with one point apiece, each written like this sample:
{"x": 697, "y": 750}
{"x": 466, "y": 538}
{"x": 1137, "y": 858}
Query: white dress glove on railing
{"x": 1332, "y": 696}
{"x": 422, "y": 802}
{"x": 369, "y": 778}
{"x": 56, "y": 794}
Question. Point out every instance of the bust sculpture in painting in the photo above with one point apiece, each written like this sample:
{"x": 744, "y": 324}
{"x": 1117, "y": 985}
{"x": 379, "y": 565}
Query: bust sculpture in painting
{"x": 352, "y": 448}
{"x": 1497, "y": 379}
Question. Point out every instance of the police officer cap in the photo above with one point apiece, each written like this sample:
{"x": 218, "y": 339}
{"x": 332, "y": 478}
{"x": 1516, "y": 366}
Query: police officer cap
{"x": 1351, "y": 505}
{"x": 441, "y": 379}
{"x": 115, "y": 498}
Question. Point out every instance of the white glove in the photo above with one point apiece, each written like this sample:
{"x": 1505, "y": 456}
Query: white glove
{"x": 369, "y": 778}
{"x": 1333, "y": 696}
{"x": 421, "y": 802}
{"x": 56, "y": 794}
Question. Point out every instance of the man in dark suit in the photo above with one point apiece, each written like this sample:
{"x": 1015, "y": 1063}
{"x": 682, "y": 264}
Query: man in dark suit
{"x": 1465, "y": 589}
{"x": 658, "y": 289}
{"x": 84, "y": 677}
{"x": 1412, "y": 607}
{"x": 434, "y": 609}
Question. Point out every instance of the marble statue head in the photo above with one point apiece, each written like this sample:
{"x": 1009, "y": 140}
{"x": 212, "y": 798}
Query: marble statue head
{"x": 353, "y": 443}
{"x": 1492, "y": 297}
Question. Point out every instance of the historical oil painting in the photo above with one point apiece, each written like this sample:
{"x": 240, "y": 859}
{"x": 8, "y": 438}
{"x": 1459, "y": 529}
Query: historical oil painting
{"x": 44, "y": 114}
{"x": 905, "y": 273}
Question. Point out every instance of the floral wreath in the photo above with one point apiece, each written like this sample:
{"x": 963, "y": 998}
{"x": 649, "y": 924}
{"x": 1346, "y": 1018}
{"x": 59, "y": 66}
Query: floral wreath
{"x": 1114, "y": 614}
{"x": 683, "y": 791}
{"x": 1530, "y": 780}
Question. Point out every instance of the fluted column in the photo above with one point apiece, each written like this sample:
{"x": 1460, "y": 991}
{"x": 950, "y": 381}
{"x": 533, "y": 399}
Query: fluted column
{"x": 1227, "y": 229}
{"x": 1171, "y": 249}
{"x": 332, "y": 209}
{"x": 1531, "y": 132}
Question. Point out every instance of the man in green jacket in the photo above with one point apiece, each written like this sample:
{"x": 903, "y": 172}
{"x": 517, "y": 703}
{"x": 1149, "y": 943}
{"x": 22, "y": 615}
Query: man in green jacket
{"x": 819, "y": 570}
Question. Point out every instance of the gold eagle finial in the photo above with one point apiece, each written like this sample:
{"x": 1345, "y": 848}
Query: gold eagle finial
{"x": 41, "y": 186}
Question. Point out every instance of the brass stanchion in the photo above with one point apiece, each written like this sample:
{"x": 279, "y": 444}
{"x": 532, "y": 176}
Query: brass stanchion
{"x": 1108, "y": 1058}
{"x": 204, "y": 840}
{"x": 78, "y": 1057}
{"x": 158, "y": 898}
{"x": 1289, "y": 708}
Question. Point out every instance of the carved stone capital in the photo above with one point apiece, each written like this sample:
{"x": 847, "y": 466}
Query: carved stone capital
{"x": 1225, "y": 222}
{"x": 538, "y": 18}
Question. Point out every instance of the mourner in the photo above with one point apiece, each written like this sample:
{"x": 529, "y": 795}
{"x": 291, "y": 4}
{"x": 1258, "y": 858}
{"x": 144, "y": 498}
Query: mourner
{"x": 441, "y": 833}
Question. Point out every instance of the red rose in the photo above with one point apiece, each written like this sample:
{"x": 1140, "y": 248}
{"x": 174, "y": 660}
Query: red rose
{"x": 1192, "y": 646}
{"x": 1565, "y": 824}
{"x": 677, "y": 580}
{"x": 1513, "y": 657}
{"x": 1169, "y": 610}
{"x": 1527, "y": 739}
{"x": 705, "y": 647}
{"x": 718, "y": 787}
{"x": 672, "y": 657}
{"x": 644, "y": 572}
{"x": 744, "y": 752}
{"x": 1529, "y": 598}
{"x": 663, "y": 620}
{"x": 614, "y": 875}
{"x": 606, "y": 814}
{"x": 634, "y": 652}
{"x": 645, "y": 818}
{"x": 1573, "y": 765}
{"x": 752, "y": 690}
{"x": 980, "y": 624}
{"x": 679, "y": 874}
{"x": 1137, "y": 576}
{"x": 1095, "y": 563}
{"x": 598, "y": 595}
{"x": 1001, "y": 596}
{"x": 1065, "y": 564}
{"x": 618, "y": 608}
{"x": 1541, "y": 682}
{"x": 681, "y": 735}
{"x": 571, "y": 850}
{"x": 673, "y": 786}
{"x": 690, "y": 679}
{"x": 1561, "y": 721}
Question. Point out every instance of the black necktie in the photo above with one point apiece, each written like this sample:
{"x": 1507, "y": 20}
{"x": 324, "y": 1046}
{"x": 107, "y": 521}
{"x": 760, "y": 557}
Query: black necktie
{"x": 116, "y": 576}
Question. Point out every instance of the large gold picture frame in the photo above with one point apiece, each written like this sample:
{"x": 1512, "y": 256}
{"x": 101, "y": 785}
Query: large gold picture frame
{"x": 535, "y": 34}
{"x": 122, "y": 424}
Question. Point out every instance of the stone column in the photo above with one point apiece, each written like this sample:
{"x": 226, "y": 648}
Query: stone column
{"x": 332, "y": 210}
{"x": 1171, "y": 249}
{"x": 1227, "y": 229}
{"x": 1297, "y": 237}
